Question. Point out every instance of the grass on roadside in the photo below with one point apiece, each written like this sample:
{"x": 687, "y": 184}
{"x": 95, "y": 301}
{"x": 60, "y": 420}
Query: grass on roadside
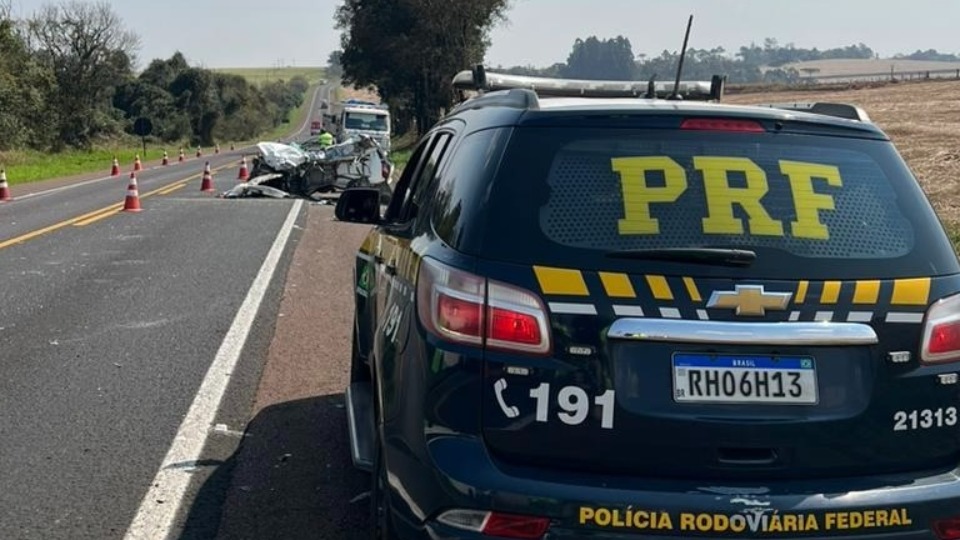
{"x": 294, "y": 120}
{"x": 24, "y": 166}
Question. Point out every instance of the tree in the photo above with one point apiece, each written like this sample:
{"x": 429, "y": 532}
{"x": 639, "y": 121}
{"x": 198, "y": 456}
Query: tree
{"x": 85, "y": 46}
{"x": 601, "y": 59}
{"x": 411, "y": 49}
{"x": 334, "y": 67}
{"x": 25, "y": 89}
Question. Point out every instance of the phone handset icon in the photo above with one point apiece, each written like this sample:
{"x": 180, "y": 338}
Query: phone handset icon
{"x": 510, "y": 411}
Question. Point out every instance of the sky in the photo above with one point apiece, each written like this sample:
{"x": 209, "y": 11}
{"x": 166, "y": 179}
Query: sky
{"x": 258, "y": 33}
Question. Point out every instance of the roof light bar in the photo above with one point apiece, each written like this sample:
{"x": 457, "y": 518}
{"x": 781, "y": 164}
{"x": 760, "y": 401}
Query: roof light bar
{"x": 481, "y": 80}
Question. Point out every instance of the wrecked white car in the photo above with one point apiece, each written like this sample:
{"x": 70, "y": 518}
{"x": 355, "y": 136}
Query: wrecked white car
{"x": 306, "y": 170}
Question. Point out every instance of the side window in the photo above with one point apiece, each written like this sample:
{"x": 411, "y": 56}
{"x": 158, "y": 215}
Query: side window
{"x": 414, "y": 201}
{"x": 463, "y": 183}
{"x": 402, "y": 189}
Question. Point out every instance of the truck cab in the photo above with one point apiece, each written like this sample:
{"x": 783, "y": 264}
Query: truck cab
{"x": 353, "y": 118}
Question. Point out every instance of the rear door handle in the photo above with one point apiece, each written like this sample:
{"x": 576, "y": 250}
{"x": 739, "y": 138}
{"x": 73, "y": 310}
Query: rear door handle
{"x": 390, "y": 269}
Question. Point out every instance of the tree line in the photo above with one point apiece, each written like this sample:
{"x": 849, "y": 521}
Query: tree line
{"x": 594, "y": 58}
{"x": 68, "y": 79}
{"x": 409, "y": 50}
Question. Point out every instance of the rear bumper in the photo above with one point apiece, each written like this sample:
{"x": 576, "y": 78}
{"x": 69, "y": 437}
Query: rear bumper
{"x": 464, "y": 475}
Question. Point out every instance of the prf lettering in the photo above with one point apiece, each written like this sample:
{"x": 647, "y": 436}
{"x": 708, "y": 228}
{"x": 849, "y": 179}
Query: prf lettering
{"x": 722, "y": 198}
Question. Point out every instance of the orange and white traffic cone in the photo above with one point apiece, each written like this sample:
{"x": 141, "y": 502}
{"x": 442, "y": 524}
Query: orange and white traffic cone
{"x": 166, "y": 159}
{"x": 115, "y": 170}
{"x": 199, "y": 152}
{"x": 4, "y": 188}
{"x": 207, "y": 183}
{"x": 244, "y": 173}
{"x": 137, "y": 166}
{"x": 216, "y": 149}
{"x": 232, "y": 147}
{"x": 132, "y": 202}
{"x": 182, "y": 156}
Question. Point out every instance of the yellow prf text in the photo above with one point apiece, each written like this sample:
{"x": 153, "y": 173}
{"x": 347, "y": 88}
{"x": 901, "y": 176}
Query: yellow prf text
{"x": 772, "y": 523}
{"x": 722, "y": 198}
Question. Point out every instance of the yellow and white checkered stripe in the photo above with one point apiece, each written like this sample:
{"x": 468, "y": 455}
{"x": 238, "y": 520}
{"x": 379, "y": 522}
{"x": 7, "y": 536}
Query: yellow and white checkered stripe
{"x": 853, "y": 301}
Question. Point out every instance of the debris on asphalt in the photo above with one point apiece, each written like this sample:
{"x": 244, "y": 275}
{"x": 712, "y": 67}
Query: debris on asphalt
{"x": 306, "y": 169}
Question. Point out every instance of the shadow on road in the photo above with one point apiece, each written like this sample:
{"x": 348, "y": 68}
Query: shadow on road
{"x": 290, "y": 478}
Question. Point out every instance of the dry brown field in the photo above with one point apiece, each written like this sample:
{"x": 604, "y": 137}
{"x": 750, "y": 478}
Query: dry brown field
{"x": 922, "y": 119}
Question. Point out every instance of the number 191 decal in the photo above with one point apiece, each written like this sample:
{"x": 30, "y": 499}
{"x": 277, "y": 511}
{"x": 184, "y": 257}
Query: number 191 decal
{"x": 924, "y": 419}
{"x": 573, "y": 400}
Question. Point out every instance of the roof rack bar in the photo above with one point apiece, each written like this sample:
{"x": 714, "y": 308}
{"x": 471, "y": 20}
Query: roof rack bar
{"x": 480, "y": 80}
{"x": 840, "y": 110}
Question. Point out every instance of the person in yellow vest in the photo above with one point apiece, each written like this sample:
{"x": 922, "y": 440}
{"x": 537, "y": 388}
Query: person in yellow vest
{"x": 325, "y": 138}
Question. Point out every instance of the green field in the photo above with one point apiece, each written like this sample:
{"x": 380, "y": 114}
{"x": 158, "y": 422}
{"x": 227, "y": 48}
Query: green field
{"x": 259, "y": 75}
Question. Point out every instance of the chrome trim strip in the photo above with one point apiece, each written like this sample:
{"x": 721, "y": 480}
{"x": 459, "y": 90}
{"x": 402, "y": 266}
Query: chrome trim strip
{"x": 352, "y": 430}
{"x": 743, "y": 333}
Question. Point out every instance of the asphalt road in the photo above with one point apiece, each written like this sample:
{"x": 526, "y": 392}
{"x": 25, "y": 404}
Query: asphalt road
{"x": 109, "y": 325}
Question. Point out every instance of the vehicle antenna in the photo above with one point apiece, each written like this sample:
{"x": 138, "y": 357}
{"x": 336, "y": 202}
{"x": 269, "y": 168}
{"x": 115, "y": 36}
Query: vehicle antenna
{"x": 683, "y": 52}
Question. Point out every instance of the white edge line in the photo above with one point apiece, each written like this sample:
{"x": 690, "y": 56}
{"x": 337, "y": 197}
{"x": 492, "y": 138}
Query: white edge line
{"x": 155, "y": 520}
{"x": 68, "y": 186}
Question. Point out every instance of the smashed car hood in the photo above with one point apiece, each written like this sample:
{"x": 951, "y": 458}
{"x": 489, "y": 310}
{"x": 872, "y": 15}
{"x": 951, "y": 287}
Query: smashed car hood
{"x": 281, "y": 156}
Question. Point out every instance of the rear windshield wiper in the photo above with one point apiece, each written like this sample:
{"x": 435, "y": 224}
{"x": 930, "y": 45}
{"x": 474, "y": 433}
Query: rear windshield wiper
{"x": 714, "y": 256}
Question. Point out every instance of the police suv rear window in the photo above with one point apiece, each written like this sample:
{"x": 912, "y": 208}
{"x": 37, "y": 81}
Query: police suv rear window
{"x": 807, "y": 205}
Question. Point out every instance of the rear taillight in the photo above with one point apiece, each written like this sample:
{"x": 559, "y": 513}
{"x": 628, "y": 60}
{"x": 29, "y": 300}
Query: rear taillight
{"x": 496, "y": 523}
{"x": 461, "y": 307}
{"x": 941, "y": 332}
{"x": 722, "y": 124}
{"x": 947, "y": 529}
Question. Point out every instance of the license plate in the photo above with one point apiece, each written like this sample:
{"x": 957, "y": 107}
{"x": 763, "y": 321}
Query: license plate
{"x": 734, "y": 379}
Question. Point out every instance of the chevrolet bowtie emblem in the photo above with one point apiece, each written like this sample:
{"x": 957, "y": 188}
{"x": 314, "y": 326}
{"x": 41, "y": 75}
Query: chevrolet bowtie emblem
{"x": 749, "y": 300}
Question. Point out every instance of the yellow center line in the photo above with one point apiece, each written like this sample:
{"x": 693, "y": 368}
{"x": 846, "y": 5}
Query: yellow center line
{"x": 172, "y": 188}
{"x": 96, "y": 215}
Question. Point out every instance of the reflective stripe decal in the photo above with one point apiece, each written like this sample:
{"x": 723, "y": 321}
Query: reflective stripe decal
{"x": 860, "y": 316}
{"x": 617, "y": 285}
{"x": 911, "y": 292}
{"x": 561, "y": 281}
{"x": 802, "y": 291}
{"x": 573, "y": 309}
{"x": 823, "y": 316}
{"x": 831, "y": 292}
{"x": 628, "y": 311}
{"x": 866, "y": 292}
{"x": 659, "y": 287}
{"x": 896, "y": 317}
{"x": 692, "y": 289}
{"x": 670, "y": 313}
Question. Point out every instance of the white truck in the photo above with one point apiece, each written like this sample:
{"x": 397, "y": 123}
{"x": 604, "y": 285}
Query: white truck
{"x": 353, "y": 117}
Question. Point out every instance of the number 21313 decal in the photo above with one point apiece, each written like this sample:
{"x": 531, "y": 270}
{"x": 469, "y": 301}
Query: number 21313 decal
{"x": 924, "y": 419}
